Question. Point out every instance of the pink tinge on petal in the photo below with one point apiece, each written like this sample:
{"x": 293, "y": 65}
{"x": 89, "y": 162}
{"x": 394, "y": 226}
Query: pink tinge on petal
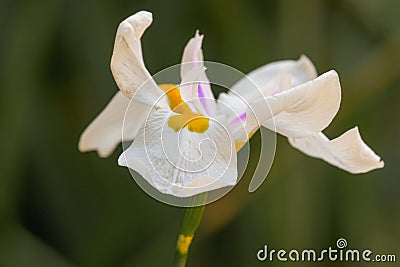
{"x": 276, "y": 91}
{"x": 283, "y": 82}
{"x": 239, "y": 119}
{"x": 203, "y": 98}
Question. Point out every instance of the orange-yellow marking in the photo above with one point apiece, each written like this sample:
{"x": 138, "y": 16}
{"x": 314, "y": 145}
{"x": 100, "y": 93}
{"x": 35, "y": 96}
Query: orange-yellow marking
{"x": 195, "y": 122}
{"x": 240, "y": 144}
{"x": 183, "y": 244}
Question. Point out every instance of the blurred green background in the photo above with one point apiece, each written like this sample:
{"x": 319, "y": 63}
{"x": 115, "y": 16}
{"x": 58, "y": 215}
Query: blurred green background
{"x": 59, "y": 207}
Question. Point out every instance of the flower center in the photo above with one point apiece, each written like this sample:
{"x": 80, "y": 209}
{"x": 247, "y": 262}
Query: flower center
{"x": 186, "y": 117}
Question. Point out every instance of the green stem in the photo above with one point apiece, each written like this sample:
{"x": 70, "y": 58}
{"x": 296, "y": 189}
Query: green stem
{"x": 191, "y": 221}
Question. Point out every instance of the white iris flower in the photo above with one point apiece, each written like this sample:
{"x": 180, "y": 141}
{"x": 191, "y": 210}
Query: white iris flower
{"x": 185, "y": 141}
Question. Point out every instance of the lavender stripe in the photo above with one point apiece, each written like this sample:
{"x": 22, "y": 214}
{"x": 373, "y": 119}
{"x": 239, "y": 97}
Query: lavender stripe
{"x": 241, "y": 118}
{"x": 203, "y": 98}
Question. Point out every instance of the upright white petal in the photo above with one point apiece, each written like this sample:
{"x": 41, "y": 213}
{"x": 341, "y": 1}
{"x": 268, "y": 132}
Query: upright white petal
{"x": 192, "y": 54}
{"x": 184, "y": 163}
{"x": 307, "y": 108}
{"x": 105, "y": 132}
{"x": 347, "y": 152}
{"x": 127, "y": 63}
{"x": 192, "y": 70}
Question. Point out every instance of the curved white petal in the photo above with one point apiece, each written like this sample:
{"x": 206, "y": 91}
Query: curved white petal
{"x": 192, "y": 55}
{"x": 251, "y": 92}
{"x": 248, "y": 116}
{"x": 307, "y": 108}
{"x": 193, "y": 70}
{"x": 257, "y": 110}
{"x": 105, "y": 132}
{"x": 265, "y": 77}
{"x": 127, "y": 63}
{"x": 185, "y": 163}
{"x": 347, "y": 152}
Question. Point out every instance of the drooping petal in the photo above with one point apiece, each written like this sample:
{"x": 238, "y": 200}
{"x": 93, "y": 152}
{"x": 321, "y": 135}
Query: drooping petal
{"x": 264, "y": 77}
{"x": 307, "y": 108}
{"x": 106, "y": 131}
{"x": 184, "y": 163}
{"x": 192, "y": 69}
{"x": 347, "y": 152}
{"x": 127, "y": 64}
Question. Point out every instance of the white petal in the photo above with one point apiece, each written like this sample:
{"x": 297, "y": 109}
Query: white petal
{"x": 192, "y": 55}
{"x": 231, "y": 104}
{"x": 127, "y": 63}
{"x": 271, "y": 79}
{"x": 238, "y": 127}
{"x": 196, "y": 91}
{"x": 192, "y": 69}
{"x": 264, "y": 77}
{"x": 347, "y": 152}
{"x": 305, "y": 109}
{"x": 257, "y": 110}
{"x": 105, "y": 132}
{"x": 184, "y": 163}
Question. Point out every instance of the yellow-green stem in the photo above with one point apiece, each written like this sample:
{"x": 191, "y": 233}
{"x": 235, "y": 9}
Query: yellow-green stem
{"x": 191, "y": 221}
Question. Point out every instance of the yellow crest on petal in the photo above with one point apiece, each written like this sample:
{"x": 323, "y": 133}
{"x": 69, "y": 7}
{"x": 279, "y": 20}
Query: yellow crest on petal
{"x": 195, "y": 122}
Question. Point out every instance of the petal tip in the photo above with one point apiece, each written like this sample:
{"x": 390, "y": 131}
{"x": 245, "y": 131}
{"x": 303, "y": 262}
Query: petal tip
{"x": 83, "y": 144}
{"x": 83, "y": 147}
{"x": 122, "y": 161}
{"x": 143, "y": 14}
{"x": 381, "y": 164}
{"x": 198, "y": 35}
{"x": 331, "y": 74}
{"x": 307, "y": 64}
{"x": 103, "y": 153}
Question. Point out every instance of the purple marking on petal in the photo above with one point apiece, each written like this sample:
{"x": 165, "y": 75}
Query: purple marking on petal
{"x": 200, "y": 91}
{"x": 241, "y": 118}
{"x": 203, "y": 99}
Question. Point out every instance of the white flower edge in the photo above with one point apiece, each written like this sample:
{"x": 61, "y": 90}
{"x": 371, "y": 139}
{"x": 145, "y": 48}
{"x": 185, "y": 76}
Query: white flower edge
{"x": 127, "y": 65}
{"x": 307, "y": 108}
{"x": 107, "y": 130}
{"x": 347, "y": 152}
{"x": 156, "y": 153}
{"x": 264, "y": 77}
{"x": 303, "y": 110}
